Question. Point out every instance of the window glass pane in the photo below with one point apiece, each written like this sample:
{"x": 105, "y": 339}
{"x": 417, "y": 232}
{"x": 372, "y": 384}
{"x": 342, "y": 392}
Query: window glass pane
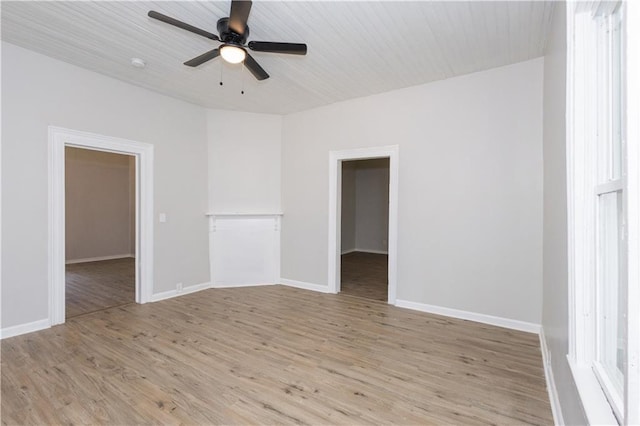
{"x": 611, "y": 308}
{"x": 603, "y": 90}
{"x": 608, "y": 84}
{"x": 616, "y": 95}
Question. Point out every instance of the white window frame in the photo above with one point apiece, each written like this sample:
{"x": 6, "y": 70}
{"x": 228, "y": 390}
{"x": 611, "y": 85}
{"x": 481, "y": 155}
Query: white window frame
{"x": 632, "y": 52}
{"x": 581, "y": 161}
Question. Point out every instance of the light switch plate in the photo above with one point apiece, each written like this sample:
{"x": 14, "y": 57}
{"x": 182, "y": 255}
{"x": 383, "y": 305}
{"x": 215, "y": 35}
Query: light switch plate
{"x": 163, "y": 217}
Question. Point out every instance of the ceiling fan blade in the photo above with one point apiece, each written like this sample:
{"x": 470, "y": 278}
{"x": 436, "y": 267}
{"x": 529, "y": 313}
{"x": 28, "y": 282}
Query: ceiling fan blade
{"x": 199, "y": 60}
{"x": 239, "y": 15}
{"x": 255, "y": 68}
{"x": 269, "y": 46}
{"x": 169, "y": 20}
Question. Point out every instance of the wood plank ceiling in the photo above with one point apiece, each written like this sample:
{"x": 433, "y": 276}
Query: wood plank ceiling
{"x": 355, "y": 48}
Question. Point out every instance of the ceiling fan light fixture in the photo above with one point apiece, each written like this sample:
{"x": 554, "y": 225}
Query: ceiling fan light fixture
{"x": 232, "y": 54}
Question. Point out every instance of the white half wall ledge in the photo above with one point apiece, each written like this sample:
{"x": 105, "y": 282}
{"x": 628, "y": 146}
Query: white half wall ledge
{"x": 29, "y": 327}
{"x": 175, "y": 293}
{"x": 556, "y": 408}
{"x": 232, "y": 214}
{"x": 306, "y": 286}
{"x": 471, "y": 316}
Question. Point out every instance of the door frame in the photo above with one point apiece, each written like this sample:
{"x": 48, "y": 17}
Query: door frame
{"x": 335, "y": 208}
{"x": 59, "y": 138}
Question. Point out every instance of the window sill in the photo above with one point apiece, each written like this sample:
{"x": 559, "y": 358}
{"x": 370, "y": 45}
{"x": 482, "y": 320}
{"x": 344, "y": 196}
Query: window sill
{"x": 594, "y": 402}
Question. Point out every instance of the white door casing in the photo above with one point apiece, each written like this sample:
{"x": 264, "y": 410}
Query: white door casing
{"x": 59, "y": 138}
{"x": 335, "y": 195}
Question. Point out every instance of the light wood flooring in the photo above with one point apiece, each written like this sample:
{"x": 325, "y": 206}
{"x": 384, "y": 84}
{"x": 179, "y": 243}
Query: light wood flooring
{"x": 272, "y": 355}
{"x": 93, "y": 286}
{"x": 364, "y": 275}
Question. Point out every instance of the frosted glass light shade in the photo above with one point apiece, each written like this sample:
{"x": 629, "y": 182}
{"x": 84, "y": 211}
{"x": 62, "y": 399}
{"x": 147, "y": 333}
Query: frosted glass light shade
{"x": 232, "y": 54}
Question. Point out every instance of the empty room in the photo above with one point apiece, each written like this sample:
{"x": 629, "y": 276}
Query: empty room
{"x": 320, "y": 212}
{"x": 99, "y": 230}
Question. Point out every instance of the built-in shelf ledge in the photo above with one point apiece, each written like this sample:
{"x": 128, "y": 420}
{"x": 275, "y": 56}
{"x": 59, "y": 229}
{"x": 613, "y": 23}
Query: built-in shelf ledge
{"x": 231, "y": 214}
{"x": 216, "y": 219}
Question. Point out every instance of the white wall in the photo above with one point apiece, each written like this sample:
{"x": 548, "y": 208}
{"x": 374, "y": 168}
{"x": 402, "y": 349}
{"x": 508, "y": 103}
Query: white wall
{"x": 348, "y": 207}
{"x": 470, "y": 195}
{"x": 244, "y": 162}
{"x": 555, "y": 304}
{"x": 365, "y": 205}
{"x": 372, "y": 205}
{"x": 38, "y": 91}
{"x": 99, "y": 209}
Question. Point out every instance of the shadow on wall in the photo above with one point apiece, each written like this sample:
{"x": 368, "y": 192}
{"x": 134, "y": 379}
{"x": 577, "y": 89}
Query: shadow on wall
{"x": 100, "y": 205}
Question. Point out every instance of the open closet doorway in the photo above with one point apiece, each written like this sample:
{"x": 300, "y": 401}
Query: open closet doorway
{"x": 142, "y": 154}
{"x": 390, "y": 154}
{"x": 100, "y": 230}
{"x": 365, "y": 228}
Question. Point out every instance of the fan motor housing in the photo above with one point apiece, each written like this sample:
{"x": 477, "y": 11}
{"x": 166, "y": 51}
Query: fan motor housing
{"x": 227, "y": 35}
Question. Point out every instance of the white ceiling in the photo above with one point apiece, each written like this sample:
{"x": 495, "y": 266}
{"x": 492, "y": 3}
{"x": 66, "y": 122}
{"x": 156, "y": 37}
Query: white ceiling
{"x": 355, "y": 48}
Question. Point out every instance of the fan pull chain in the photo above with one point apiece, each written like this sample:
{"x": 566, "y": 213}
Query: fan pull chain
{"x": 221, "y": 68}
{"x": 243, "y": 73}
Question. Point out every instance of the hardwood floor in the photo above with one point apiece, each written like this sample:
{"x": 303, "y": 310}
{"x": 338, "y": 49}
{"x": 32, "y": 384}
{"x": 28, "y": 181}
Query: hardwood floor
{"x": 93, "y": 286}
{"x": 364, "y": 275}
{"x": 272, "y": 355}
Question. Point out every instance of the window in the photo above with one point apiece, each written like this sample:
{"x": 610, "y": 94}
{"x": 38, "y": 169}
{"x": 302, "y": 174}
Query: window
{"x": 600, "y": 351}
{"x": 610, "y": 312}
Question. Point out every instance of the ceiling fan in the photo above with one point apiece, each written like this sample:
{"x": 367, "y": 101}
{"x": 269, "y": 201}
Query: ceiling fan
{"x": 233, "y": 33}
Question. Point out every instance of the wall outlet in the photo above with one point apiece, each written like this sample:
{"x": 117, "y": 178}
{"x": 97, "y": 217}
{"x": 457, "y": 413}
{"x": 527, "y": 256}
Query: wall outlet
{"x": 179, "y": 287}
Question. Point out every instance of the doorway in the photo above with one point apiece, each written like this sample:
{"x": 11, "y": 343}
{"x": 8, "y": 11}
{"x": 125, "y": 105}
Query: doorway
{"x": 100, "y": 212}
{"x": 142, "y": 154}
{"x": 336, "y": 160}
{"x": 365, "y": 228}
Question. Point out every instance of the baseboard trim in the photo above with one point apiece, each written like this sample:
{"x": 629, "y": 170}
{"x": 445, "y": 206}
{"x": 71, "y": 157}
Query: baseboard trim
{"x": 471, "y": 316}
{"x": 238, "y": 285}
{"x": 175, "y": 293}
{"x": 305, "y": 286}
{"x": 99, "y": 258}
{"x": 372, "y": 251}
{"x": 364, "y": 251}
{"x": 29, "y": 327}
{"x": 554, "y": 400}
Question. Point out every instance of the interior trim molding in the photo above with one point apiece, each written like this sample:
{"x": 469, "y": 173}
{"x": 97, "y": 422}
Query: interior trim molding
{"x": 471, "y": 316}
{"x": 100, "y": 258}
{"x": 29, "y": 327}
{"x": 175, "y": 293}
{"x": 59, "y": 138}
{"x": 556, "y": 408}
{"x": 372, "y": 251}
{"x": 306, "y": 286}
